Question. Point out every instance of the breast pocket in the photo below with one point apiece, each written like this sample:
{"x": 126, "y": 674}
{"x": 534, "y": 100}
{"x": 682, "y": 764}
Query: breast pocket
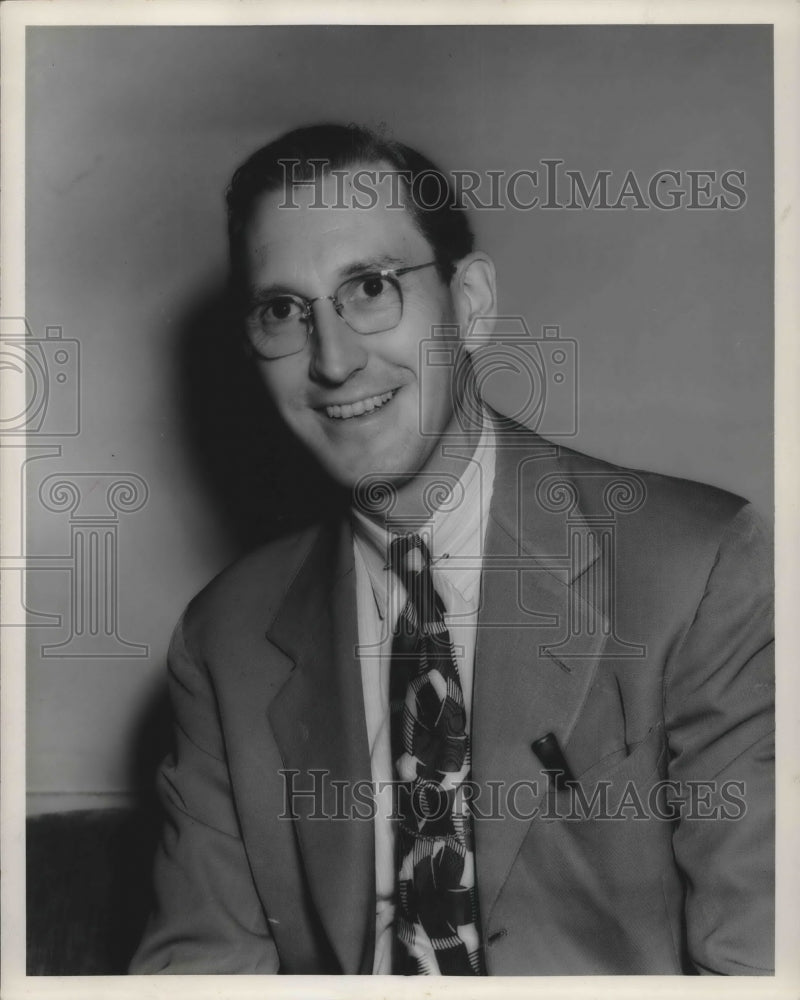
{"x": 610, "y": 823}
{"x": 628, "y": 771}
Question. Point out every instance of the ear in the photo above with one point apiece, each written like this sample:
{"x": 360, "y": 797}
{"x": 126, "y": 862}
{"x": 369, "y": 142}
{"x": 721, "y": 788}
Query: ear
{"x": 474, "y": 291}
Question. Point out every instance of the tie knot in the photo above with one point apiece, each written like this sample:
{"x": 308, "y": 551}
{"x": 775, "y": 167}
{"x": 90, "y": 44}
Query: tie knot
{"x": 409, "y": 556}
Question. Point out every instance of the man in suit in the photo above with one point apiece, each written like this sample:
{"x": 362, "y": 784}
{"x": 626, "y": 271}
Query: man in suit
{"x": 511, "y": 713}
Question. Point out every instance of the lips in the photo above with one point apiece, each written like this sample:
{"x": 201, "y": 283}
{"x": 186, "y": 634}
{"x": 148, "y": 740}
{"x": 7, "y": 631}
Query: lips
{"x": 345, "y": 411}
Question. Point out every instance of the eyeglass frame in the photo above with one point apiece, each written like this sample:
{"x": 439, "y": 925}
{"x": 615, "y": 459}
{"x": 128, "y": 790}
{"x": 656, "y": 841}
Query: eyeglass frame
{"x": 307, "y": 316}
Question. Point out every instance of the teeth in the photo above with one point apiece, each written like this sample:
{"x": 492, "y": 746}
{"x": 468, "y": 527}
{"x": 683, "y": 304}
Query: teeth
{"x": 358, "y": 408}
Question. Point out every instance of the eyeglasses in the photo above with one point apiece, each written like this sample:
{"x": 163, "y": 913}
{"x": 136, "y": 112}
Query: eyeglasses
{"x": 369, "y": 303}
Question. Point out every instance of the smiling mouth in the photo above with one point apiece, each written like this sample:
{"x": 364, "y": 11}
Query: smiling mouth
{"x": 360, "y": 407}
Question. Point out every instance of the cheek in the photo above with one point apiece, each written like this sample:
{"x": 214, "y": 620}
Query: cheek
{"x": 283, "y": 384}
{"x": 432, "y": 337}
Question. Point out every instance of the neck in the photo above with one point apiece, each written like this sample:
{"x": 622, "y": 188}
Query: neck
{"x": 421, "y": 495}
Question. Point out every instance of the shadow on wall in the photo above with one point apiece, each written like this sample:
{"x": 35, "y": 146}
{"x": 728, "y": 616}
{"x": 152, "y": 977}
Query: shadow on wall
{"x": 260, "y": 479}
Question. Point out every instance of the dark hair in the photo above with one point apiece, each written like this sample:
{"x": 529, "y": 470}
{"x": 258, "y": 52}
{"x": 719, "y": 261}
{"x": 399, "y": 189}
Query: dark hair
{"x": 429, "y": 197}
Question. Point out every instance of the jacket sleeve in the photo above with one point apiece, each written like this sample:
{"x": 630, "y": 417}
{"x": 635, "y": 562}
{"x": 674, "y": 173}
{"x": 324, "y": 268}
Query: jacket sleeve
{"x": 207, "y": 916}
{"x": 719, "y": 709}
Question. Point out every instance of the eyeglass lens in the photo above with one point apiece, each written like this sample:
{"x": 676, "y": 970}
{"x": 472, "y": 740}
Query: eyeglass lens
{"x": 368, "y": 304}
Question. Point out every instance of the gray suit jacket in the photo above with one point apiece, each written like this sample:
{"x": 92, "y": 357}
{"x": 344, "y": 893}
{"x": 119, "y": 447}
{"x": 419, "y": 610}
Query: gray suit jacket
{"x": 627, "y": 613}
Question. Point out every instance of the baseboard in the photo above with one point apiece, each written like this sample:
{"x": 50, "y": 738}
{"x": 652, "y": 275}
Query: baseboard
{"x": 39, "y": 803}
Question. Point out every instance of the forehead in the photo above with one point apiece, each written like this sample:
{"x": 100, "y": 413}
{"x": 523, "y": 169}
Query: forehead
{"x": 318, "y": 230}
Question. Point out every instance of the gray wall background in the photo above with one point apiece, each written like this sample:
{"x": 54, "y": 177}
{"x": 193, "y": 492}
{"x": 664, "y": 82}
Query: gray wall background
{"x": 132, "y": 136}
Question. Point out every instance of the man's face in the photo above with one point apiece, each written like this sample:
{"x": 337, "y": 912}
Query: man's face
{"x": 354, "y": 400}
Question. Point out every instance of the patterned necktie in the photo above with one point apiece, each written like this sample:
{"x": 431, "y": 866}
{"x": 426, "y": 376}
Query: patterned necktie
{"x": 436, "y": 920}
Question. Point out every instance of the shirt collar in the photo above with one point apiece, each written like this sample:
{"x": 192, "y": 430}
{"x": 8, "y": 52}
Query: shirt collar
{"x": 455, "y": 531}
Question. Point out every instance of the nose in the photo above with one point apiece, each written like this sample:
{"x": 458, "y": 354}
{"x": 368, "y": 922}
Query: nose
{"x": 337, "y": 351}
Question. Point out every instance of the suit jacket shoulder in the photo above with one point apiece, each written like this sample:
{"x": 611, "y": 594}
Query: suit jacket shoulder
{"x": 694, "y": 503}
{"x": 678, "y": 518}
{"x": 664, "y": 524}
{"x": 247, "y": 594}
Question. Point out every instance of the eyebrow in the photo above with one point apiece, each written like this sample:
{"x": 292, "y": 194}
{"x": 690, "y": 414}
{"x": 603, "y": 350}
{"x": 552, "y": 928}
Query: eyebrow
{"x": 351, "y": 270}
{"x": 371, "y": 264}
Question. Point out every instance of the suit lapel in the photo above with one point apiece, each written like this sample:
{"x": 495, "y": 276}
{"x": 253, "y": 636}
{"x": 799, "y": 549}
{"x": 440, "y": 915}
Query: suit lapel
{"x": 525, "y": 683}
{"x": 318, "y": 721}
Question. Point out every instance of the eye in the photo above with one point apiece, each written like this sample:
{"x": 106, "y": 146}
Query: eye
{"x": 374, "y": 286}
{"x": 370, "y": 286}
{"x": 280, "y": 310}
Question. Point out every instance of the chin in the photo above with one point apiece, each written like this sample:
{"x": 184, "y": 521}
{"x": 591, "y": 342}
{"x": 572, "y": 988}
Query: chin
{"x": 370, "y": 472}
{"x": 372, "y": 479}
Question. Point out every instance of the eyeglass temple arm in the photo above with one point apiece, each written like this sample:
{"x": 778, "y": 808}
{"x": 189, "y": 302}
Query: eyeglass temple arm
{"x": 405, "y": 270}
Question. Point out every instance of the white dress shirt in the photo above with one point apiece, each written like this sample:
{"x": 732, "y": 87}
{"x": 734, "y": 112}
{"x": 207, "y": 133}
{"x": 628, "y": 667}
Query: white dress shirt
{"x": 455, "y": 537}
